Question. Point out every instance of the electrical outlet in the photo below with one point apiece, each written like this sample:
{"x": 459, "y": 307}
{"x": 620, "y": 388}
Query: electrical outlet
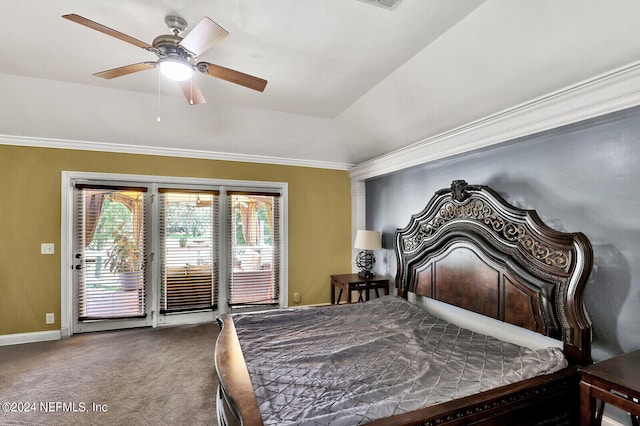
{"x": 296, "y": 297}
{"x": 47, "y": 248}
{"x": 50, "y": 318}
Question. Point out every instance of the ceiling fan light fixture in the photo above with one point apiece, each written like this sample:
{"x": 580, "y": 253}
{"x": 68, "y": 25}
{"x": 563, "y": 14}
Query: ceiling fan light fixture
{"x": 178, "y": 56}
{"x": 175, "y": 69}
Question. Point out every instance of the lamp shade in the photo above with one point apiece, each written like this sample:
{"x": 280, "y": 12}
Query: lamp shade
{"x": 367, "y": 240}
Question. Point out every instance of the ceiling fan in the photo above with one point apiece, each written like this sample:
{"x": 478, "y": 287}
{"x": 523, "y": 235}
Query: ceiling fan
{"x": 178, "y": 56}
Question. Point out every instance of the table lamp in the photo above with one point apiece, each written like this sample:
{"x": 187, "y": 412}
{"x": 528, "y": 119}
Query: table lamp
{"x": 366, "y": 241}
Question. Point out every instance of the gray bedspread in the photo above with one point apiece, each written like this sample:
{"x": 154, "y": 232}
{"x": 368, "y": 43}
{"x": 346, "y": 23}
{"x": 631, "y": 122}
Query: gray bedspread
{"x": 351, "y": 364}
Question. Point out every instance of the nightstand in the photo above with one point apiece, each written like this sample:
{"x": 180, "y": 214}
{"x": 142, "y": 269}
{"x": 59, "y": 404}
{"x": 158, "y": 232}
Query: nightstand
{"x": 354, "y": 282}
{"x": 615, "y": 381}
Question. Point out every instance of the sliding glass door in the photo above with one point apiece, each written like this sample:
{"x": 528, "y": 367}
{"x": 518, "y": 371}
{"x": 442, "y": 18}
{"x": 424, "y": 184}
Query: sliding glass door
{"x": 144, "y": 251}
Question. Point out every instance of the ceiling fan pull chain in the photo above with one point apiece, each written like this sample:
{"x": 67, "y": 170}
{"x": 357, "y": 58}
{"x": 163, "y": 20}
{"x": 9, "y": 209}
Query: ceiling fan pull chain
{"x": 158, "y": 119}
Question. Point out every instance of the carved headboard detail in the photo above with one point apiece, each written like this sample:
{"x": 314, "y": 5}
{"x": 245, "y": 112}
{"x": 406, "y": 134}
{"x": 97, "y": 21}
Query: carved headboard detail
{"x": 472, "y": 249}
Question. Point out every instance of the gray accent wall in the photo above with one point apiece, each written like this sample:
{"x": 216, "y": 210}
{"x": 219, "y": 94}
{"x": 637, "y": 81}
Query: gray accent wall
{"x": 582, "y": 177}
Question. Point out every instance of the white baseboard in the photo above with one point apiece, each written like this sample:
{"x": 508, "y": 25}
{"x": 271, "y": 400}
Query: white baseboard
{"x": 38, "y": 336}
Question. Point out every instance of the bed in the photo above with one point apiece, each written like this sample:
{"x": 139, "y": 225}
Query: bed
{"x": 468, "y": 249}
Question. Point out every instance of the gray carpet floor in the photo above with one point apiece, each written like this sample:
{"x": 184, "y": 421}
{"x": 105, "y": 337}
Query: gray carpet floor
{"x": 162, "y": 376}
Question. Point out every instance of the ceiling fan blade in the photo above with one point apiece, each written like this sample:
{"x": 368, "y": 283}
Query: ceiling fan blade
{"x": 127, "y": 69}
{"x": 204, "y": 35}
{"x": 233, "y": 76}
{"x": 106, "y": 30}
{"x": 192, "y": 92}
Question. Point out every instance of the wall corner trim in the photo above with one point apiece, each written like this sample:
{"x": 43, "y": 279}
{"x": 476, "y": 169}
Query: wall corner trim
{"x": 37, "y": 336}
{"x": 612, "y": 91}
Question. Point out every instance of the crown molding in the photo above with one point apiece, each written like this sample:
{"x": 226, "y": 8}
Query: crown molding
{"x": 609, "y": 92}
{"x": 167, "y": 152}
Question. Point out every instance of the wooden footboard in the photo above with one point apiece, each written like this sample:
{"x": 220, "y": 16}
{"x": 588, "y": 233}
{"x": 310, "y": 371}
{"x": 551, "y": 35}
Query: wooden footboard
{"x": 236, "y": 401}
{"x": 543, "y": 400}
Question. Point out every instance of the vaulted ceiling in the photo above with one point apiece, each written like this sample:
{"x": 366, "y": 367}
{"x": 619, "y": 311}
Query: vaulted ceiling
{"x": 347, "y": 81}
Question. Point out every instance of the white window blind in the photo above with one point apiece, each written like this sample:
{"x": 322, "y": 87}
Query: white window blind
{"x": 110, "y": 251}
{"x": 254, "y": 225}
{"x": 188, "y": 230}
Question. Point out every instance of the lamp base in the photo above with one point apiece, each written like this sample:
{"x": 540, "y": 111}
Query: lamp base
{"x": 365, "y": 274}
{"x": 365, "y": 261}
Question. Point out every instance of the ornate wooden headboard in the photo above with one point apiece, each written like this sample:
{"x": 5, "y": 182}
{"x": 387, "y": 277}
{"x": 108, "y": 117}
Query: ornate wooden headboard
{"x": 472, "y": 249}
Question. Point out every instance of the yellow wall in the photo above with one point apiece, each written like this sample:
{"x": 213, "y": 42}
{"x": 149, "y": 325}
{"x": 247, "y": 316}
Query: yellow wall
{"x": 30, "y": 214}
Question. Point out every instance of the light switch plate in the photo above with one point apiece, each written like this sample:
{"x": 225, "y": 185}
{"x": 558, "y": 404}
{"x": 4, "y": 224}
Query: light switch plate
{"x": 47, "y": 248}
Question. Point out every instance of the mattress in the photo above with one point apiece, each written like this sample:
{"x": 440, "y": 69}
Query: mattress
{"x": 352, "y": 364}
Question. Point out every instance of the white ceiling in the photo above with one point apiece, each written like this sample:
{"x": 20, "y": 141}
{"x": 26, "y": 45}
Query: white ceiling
{"x": 348, "y": 81}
